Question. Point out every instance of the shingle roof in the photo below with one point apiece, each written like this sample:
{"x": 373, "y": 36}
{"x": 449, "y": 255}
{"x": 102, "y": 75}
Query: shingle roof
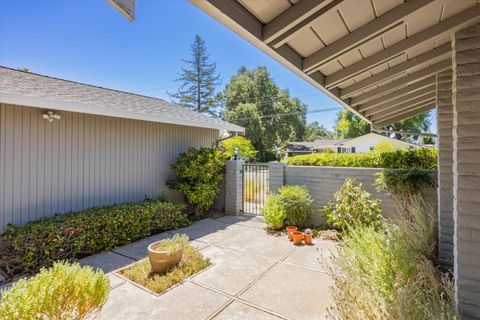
{"x": 47, "y": 92}
{"x": 317, "y": 144}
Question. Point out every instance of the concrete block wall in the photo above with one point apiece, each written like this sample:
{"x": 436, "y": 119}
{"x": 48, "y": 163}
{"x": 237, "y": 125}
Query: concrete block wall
{"x": 323, "y": 182}
{"x": 233, "y": 187}
{"x": 445, "y": 168}
{"x": 276, "y": 173}
{"x": 466, "y": 170}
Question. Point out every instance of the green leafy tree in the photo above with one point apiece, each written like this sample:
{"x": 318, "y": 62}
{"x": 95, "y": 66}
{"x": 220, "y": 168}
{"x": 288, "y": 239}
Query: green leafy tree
{"x": 316, "y": 131}
{"x": 243, "y": 145}
{"x": 199, "y": 80}
{"x": 199, "y": 172}
{"x": 269, "y": 115}
{"x": 349, "y": 125}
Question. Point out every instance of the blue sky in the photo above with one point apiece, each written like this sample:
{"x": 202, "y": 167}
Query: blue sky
{"x": 88, "y": 41}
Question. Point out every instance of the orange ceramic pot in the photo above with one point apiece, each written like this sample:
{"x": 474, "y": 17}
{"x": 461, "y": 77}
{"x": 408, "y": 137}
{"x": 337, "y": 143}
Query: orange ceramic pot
{"x": 307, "y": 237}
{"x": 297, "y": 237}
{"x": 291, "y": 229}
{"x": 161, "y": 261}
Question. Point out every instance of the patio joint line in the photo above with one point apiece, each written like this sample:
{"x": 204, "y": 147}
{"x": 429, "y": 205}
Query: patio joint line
{"x": 248, "y": 286}
{"x": 124, "y": 255}
{"x": 234, "y": 298}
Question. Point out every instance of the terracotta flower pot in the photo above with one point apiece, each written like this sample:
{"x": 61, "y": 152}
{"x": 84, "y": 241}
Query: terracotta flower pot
{"x": 307, "y": 237}
{"x": 290, "y": 229}
{"x": 297, "y": 237}
{"x": 161, "y": 261}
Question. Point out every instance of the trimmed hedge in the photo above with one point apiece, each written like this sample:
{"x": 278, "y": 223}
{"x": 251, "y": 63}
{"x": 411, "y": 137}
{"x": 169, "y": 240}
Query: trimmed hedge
{"x": 421, "y": 158}
{"x": 40, "y": 243}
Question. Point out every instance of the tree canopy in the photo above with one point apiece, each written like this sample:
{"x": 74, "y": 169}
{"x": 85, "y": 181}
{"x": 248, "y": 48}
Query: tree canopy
{"x": 199, "y": 80}
{"x": 348, "y": 125}
{"x": 269, "y": 115}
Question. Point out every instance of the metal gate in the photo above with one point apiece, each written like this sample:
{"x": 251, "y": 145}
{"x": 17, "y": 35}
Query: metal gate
{"x": 255, "y": 187}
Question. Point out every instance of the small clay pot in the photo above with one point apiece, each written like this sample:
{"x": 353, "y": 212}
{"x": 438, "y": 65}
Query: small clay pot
{"x": 161, "y": 261}
{"x": 297, "y": 237}
{"x": 291, "y": 229}
{"x": 307, "y": 237}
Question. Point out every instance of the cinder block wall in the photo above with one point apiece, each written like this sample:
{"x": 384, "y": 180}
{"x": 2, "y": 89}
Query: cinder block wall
{"x": 323, "y": 182}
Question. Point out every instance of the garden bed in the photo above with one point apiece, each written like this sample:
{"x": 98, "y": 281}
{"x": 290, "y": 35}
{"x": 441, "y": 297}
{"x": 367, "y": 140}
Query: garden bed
{"x": 140, "y": 273}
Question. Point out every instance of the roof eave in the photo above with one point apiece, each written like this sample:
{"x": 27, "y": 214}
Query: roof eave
{"x": 72, "y": 106}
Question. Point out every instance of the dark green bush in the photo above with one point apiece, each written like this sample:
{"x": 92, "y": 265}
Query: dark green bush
{"x": 290, "y": 206}
{"x": 199, "y": 172}
{"x": 40, "y": 243}
{"x": 421, "y": 158}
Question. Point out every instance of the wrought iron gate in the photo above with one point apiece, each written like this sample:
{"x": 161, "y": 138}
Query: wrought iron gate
{"x": 255, "y": 187}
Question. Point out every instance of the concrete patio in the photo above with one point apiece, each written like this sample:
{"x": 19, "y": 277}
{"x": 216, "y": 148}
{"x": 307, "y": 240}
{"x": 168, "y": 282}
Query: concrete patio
{"x": 254, "y": 275}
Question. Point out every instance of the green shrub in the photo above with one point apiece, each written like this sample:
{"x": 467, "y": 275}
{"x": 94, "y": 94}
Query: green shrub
{"x": 63, "y": 292}
{"x": 40, "y": 243}
{"x": 353, "y": 206}
{"x": 385, "y": 273}
{"x": 422, "y": 158}
{"x": 243, "y": 145}
{"x": 290, "y": 206}
{"x": 199, "y": 172}
{"x": 403, "y": 185}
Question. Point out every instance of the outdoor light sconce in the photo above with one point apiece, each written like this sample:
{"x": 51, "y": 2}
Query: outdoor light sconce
{"x": 50, "y": 116}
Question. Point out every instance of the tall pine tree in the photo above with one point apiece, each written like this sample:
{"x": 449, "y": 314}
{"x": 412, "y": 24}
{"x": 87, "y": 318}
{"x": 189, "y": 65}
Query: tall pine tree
{"x": 199, "y": 80}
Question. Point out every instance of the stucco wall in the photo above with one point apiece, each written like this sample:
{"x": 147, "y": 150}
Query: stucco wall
{"x": 84, "y": 161}
{"x": 323, "y": 182}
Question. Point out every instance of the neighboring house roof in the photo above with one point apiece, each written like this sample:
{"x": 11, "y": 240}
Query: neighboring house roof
{"x": 31, "y": 89}
{"x": 317, "y": 144}
{"x": 325, "y": 143}
{"x": 351, "y": 142}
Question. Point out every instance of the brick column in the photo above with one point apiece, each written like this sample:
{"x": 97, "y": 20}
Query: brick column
{"x": 276, "y": 175}
{"x": 466, "y": 170}
{"x": 445, "y": 168}
{"x": 233, "y": 187}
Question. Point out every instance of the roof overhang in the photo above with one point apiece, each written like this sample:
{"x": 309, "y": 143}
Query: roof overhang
{"x": 125, "y": 7}
{"x": 74, "y": 106}
{"x": 376, "y": 58}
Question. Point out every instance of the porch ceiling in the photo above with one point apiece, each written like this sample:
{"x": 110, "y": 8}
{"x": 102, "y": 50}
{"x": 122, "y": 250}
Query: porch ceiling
{"x": 378, "y": 58}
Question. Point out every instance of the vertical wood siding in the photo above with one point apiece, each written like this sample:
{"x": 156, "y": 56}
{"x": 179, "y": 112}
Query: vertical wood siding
{"x": 84, "y": 161}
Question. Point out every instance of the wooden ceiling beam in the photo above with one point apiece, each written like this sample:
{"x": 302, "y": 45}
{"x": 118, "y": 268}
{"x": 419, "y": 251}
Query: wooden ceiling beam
{"x": 301, "y": 15}
{"x": 413, "y": 100}
{"x": 397, "y": 94}
{"x": 406, "y": 115}
{"x": 373, "y": 29}
{"x": 402, "y": 82}
{"x": 399, "y": 48}
{"x": 403, "y": 67}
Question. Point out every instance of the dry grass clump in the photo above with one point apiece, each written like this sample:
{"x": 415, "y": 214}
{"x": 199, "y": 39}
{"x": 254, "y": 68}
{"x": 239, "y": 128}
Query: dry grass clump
{"x": 388, "y": 273}
{"x": 191, "y": 263}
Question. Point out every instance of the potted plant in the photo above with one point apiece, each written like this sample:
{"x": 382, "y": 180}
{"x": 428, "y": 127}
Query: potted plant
{"x": 291, "y": 229}
{"x": 308, "y": 236}
{"x": 297, "y": 237}
{"x": 166, "y": 253}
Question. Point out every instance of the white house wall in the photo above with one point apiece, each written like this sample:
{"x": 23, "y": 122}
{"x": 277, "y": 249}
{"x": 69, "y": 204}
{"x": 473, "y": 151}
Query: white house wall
{"x": 84, "y": 161}
{"x": 365, "y": 143}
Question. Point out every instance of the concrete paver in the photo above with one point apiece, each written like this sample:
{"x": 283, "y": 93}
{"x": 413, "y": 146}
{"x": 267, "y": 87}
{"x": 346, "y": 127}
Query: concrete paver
{"x": 106, "y": 261}
{"x": 232, "y": 270}
{"x": 292, "y": 291}
{"x": 240, "y": 311}
{"x": 315, "y": 256}
{"x": 255, "y": 275}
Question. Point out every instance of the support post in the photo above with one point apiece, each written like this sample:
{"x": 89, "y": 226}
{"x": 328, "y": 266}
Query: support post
{"x": 234, "y": 187}
{"x": 445, "y": 169}
{"x": 466, "y": 170}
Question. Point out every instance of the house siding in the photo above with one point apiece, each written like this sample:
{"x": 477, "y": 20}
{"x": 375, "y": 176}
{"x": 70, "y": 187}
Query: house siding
{"x": 84, "y": 161}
